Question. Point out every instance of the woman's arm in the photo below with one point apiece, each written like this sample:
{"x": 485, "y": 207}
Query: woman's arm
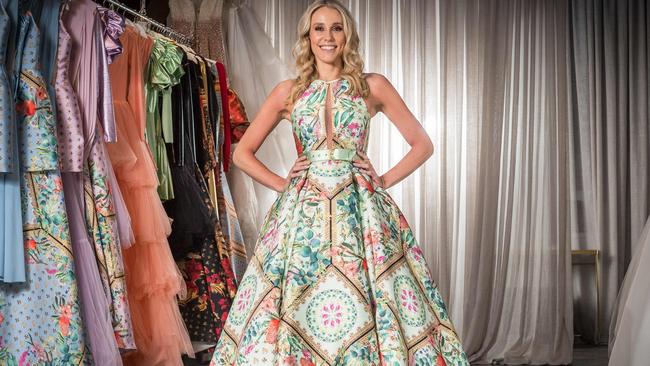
{"x": 273, "y": 110}
{"x": 384, "y": 98}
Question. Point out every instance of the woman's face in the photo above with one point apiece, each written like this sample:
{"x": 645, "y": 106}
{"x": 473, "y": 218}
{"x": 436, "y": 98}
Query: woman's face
{"x": 326, "y": 35}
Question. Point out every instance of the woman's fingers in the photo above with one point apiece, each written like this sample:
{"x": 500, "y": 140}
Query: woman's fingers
{"x": 366, "y": 168}
{"x": 366, "y": 171}
{"x": 301, "y": 164}
{"x": 300, "y": 167}
{"x": 301, "y": 161}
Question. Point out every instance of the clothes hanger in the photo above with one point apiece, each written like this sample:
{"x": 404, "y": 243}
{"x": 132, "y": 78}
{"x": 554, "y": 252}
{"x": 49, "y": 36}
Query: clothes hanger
{"x": 143, "y": 7}
{"x": 141, "y": 15}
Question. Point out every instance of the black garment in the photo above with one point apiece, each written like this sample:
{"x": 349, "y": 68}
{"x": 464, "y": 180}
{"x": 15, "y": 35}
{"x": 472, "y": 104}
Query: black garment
{"x": 191, "y": 216}
{"x": 195, "y": 224}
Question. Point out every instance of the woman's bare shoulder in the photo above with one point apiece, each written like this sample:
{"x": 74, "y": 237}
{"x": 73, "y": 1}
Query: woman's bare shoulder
{"x": 281, "y": 92}
{"x": 376, "y": 82}
{"x": 285, "y": 86}
{"x": 279, "y": 97}
{"x": 378, "y": 85}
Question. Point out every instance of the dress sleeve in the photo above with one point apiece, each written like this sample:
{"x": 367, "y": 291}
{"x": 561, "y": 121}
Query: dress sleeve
{"x": 114, "y": 26}
{"x": 105, "y": 95}
{"x": 165, "y": 71}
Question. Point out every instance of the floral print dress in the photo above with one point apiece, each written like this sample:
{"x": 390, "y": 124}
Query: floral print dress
{"x": 337, "y": 277}
{"x": 40, "y": 321}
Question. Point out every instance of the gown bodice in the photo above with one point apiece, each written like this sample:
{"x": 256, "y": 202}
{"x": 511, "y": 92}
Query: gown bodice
{"x": 349, "y": 115}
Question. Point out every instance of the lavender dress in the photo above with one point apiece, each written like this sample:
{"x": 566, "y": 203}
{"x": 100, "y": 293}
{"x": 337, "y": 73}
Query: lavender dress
{"x": 113, "y": 26}
{"x": 95, "y": 306}
{"x": 94, "y": 190}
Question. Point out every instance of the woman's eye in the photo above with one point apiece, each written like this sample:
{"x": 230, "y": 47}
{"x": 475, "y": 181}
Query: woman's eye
{"x": 319, "y": 28}
{"x": 337, "y": 28}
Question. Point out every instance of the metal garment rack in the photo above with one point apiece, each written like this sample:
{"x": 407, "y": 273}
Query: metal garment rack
{"x": 164, "y": 30}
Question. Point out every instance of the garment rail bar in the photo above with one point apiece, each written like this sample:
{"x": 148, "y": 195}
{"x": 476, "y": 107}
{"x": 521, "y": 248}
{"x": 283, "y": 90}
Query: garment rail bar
{"x": 165, "y": 30}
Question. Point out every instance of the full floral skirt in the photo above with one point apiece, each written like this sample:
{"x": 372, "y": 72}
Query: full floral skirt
{"x": 337, "y": 278}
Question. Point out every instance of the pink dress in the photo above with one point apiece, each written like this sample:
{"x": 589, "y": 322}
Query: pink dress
{"x": 153, "y": 279}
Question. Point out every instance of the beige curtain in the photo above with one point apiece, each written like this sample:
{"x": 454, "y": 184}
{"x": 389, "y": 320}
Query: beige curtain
{"x": 490, "y": 82}
{"x": 499, "y": 115}
{"x": 254, "y": 70}
{"x": 610, "y": 143}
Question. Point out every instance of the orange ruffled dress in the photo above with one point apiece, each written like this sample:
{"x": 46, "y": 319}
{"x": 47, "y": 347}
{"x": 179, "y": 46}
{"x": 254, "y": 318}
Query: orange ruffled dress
{"x": 153, "y": 279}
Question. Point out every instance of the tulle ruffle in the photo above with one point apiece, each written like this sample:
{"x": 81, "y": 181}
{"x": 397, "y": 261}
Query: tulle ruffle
{"x": 153, "y": 279}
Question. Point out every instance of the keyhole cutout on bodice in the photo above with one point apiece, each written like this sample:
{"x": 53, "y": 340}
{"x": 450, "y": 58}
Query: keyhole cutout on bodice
{"x": 329, "y": 125}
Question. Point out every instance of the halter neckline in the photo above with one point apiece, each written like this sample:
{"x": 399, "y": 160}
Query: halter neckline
{"x": 328, "y": 81}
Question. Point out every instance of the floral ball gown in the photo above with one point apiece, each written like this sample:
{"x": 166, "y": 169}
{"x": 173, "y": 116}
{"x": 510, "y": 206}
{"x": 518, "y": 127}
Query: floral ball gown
{"x": 337, "y": 277}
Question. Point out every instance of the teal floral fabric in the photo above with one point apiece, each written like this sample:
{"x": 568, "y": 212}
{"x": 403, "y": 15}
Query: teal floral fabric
{"x": 337, "y": 277}
{"x": 40, "y": 321}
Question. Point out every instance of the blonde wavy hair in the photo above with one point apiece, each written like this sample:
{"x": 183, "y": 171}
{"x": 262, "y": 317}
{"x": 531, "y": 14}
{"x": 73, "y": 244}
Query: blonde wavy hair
{"x": 306, "y": 62}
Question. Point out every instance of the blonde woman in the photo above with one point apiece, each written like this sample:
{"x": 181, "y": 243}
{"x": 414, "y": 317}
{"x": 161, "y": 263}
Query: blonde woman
{"x": 337, "y": 277}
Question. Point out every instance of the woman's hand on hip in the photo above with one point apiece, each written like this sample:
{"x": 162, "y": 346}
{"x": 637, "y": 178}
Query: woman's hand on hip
{"x": 366, "y": 167}
{"x": 299, "y": 166}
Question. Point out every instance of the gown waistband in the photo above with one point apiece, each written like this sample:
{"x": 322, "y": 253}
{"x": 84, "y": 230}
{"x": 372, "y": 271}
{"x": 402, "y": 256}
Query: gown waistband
{"x": 331, "y": 154}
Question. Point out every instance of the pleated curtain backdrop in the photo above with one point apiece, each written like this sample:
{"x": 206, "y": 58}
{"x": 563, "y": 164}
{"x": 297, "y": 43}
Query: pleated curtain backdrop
{"x": 539, "y": 119}
{"x": 610, "y": 144}
{"x": 490, "y": 82}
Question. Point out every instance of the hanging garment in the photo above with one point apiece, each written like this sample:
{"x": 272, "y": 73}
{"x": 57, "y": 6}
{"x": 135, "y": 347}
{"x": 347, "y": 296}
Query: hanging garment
{"x": 7, "y": 120}
{"x": 239, "y": 121}
{"x": 88, "y": 221}
{"x": 233, "y": 237}
{"x": 113, "y": 28}
{"x": 46, "y": 16}
{"x": 337, "y": 277}
{"x": 95, "y": 306}
{"x": 12, "y": 256}
{"x": 210, "y": 287}
{"x": 207, "y": 132}
{"x": 241, "y": 185}
{"x": 40, "y": 319}
{"x": 91, "y": 186}
{"x": 202, "y": 21}
{"x": 153, "y": 279}
{"x": 164, "y": 71}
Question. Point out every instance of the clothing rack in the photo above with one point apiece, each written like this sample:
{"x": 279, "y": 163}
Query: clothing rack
{"x": 165, "y": 30}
